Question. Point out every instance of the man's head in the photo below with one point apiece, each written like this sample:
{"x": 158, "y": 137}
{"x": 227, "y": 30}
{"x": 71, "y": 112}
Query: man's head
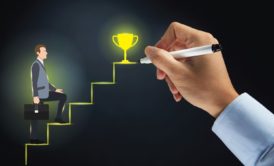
{"x": 41, "y": 51}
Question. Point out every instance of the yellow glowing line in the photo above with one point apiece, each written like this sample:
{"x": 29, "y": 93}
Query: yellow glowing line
{"x": 77, "y": 103}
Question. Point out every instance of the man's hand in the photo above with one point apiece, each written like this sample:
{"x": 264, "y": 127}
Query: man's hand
{"x": 36, "y": 100}
{"x": 202, "y": 81}
{"x": 59, "y": 90}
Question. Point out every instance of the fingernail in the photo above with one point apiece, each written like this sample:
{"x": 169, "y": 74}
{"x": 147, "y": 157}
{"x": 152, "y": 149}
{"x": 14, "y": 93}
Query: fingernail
{"x": 177, "y": 99}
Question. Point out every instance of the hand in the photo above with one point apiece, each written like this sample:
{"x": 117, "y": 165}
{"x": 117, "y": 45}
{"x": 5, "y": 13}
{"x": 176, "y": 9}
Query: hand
{"x": 59, "y": 90}
{"x": 36, "y": 100}
{"x": 202, "y": 81}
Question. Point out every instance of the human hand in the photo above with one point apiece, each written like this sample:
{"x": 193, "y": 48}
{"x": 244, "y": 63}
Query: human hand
{"x": 36, "y": 100}
{"x": 59, "y": 90}
{"x": 202, "y": 81}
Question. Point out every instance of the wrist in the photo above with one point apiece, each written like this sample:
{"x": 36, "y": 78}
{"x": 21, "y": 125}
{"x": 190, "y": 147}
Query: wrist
{"x": 221, "y": 103}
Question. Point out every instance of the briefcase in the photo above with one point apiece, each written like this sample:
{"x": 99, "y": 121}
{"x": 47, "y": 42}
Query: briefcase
{"x": 36, "y": 111}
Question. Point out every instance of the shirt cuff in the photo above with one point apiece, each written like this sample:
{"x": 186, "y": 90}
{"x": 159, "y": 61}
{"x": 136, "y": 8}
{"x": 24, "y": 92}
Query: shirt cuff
{"x": 246, "y": 128}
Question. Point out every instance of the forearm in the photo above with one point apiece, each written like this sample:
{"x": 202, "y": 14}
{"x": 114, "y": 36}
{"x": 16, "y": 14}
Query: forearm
{"x": 247, "y": 128}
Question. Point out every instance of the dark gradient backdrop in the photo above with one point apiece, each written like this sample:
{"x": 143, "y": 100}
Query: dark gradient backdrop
{"x": 135, "y": 122}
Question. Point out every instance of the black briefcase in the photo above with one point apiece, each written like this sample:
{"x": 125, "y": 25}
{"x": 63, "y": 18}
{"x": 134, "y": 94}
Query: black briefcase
{"x": 36, "y": 111}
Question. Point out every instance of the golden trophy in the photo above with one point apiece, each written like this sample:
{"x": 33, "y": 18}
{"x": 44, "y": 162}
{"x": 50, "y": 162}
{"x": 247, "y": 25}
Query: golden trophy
{"x": 125, "y": 41}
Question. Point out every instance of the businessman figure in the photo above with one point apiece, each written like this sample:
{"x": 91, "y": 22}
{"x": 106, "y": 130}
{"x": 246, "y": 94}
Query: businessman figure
{"x": 42, "y": 90}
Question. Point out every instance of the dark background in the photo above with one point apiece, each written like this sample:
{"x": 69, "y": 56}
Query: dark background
{"x": 136, "y": 121}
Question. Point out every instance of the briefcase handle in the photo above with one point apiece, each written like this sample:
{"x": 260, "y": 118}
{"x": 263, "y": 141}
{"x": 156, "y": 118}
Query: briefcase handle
{"x": 36, "y": 108}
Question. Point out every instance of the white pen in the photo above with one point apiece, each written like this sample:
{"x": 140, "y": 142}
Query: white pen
{"x": 190, "y": 52}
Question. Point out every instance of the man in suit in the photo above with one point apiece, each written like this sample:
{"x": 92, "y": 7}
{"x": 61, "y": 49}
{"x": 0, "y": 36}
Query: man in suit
{"x": 42, "y": 90}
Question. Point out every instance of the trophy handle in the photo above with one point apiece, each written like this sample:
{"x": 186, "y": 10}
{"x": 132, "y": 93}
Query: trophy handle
{"x": 135, "y": 36}
{"x": 114, "y": 41}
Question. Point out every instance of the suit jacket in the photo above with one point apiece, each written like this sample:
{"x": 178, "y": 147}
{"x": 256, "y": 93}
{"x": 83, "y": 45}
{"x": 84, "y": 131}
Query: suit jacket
{"x": 40, "y": 82}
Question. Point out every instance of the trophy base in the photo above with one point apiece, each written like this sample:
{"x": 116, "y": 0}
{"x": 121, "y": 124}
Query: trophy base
{"x": 127, "y": 62}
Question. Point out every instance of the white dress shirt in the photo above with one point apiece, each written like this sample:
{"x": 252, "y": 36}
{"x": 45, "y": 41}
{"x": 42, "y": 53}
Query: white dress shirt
{"x": 41, "y": 61}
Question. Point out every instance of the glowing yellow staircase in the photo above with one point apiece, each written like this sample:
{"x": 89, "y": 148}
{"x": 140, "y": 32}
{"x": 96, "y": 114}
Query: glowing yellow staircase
{"x": 27, "y": 145}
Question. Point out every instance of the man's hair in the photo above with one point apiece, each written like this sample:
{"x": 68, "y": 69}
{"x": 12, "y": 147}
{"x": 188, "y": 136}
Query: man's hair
{"x": 37, "y": 47}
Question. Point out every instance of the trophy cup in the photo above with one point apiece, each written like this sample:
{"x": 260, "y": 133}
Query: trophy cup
{"x": 125, "y": 41}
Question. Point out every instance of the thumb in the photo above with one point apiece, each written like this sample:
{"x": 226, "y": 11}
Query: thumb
{"x": 161, "y": 59}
